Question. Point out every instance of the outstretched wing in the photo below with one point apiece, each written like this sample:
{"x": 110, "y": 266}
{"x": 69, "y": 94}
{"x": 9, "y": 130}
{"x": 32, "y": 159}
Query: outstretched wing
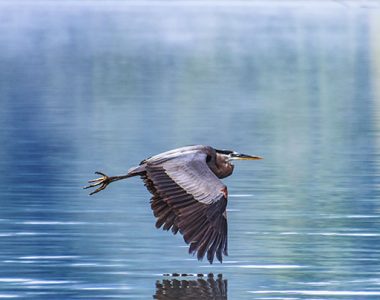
{"x": 189, "y": 198}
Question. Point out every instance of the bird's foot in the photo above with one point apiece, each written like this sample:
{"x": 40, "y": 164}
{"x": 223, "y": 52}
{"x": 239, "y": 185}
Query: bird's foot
{"x": 102, "y": 182}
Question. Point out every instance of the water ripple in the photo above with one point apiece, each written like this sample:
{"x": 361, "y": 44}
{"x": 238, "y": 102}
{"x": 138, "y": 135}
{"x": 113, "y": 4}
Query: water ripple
{"x": 318, "y": 292}
{"x": 272, "y": 266}
{"x": 49, "y": 257}
{"x": 362, "y": 234}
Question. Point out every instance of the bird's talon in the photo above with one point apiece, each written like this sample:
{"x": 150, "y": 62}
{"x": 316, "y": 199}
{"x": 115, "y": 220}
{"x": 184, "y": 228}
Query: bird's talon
{"x": 102, "y": 181}
{"x": 96, "y": 180}
{"x": 100, "y": 173}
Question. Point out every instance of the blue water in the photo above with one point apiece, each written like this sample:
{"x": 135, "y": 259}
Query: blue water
{"x": 87, "y": 86}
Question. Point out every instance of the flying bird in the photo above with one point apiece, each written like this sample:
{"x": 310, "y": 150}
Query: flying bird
{"x": 188, "y": 195}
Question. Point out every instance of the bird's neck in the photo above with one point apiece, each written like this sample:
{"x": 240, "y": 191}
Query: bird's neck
{"x": 222, "y": 170}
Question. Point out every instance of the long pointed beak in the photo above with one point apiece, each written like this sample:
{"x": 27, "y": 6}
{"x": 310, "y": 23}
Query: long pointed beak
{"x": 240, "y": 156}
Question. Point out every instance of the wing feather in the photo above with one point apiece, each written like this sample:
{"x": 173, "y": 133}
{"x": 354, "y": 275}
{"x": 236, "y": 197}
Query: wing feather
{"x": 189, "y": 198}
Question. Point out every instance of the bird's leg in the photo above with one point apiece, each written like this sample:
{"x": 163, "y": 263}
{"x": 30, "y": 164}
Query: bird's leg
{"x": 103, "y": 181}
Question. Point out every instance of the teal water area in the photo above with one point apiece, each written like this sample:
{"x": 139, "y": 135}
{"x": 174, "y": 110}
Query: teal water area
{"x": 99, "y": 86}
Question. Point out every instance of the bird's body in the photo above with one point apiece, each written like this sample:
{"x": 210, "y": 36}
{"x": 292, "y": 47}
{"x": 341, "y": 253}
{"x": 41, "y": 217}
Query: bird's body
{"x": 188, "y": 195}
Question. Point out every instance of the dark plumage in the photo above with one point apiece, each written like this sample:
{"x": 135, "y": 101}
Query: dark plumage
{"x": 187, "y": 194}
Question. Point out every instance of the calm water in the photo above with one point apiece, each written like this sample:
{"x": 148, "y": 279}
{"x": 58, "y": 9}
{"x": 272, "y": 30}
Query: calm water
{"x": 86, "y": 87}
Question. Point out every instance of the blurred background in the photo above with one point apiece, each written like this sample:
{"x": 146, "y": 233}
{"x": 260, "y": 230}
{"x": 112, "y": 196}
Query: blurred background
{"x": 101, "y": 85}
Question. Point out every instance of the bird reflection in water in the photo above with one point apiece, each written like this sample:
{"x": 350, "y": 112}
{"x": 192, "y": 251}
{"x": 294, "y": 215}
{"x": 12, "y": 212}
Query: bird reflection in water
{"x": 195, "y": 289}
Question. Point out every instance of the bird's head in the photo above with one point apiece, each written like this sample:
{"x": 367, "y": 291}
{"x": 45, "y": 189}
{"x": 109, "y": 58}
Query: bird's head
{"x": 230, "y": 155}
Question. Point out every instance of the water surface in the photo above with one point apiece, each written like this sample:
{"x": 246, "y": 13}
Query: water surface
{"x": 95, "y": 86}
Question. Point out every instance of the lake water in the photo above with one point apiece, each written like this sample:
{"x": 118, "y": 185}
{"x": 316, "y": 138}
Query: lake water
{"x": 87, "y": 86}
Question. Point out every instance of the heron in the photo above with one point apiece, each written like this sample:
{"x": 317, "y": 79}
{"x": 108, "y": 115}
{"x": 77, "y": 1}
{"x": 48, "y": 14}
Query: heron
{"x": 187, "y": 194}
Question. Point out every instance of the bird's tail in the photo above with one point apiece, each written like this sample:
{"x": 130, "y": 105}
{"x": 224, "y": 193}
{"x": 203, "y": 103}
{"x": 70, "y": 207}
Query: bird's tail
{"x": 136, "y": 171}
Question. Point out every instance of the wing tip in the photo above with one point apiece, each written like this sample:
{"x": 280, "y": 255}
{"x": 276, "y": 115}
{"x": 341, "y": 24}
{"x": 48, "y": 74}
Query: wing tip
{"x": 211, "y": 254}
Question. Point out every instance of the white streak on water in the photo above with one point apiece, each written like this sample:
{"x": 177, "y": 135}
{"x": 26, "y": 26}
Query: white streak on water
{"x": 42, "y": 257}
{"x": 350, "y": 216}
{"x": 362, "y": 234}
{"x": 103, "y": 288}
{"x": 352, "y": 234}
{"x": 239, "y": 195}
{"x": 22, "y": 233}
{"x": 84, "y": 265}
{"x": 15, "y": 280}
{"x": 51, "y": 223}
{"x": 65, "y": 223}
{"x": 42, "y": 282}
{"x": 271, "y": 266}
{"x": 263, "y": 266}
{"x": 319, "y": 293}
{"x": 230, "y": 261}
{"x": 32, "y": 281}
{"x": 322, "y": 283}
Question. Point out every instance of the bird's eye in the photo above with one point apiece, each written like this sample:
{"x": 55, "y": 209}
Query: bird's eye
{"x": 208, "y": 158}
